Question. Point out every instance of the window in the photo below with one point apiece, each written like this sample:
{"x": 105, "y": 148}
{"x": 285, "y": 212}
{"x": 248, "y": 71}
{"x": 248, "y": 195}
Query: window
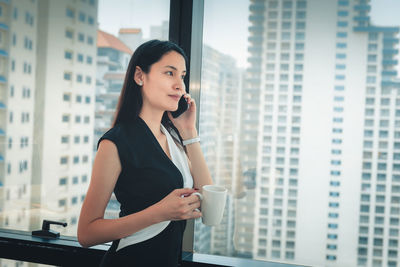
{"x": 340, "y": 56}
{"x": 69, "y": 34}
{"x": 63, "y": 181}
{"x": 68, "y": 55}
{"x": 70, "y": 12}
{"x": 64, "y": 160}
{"x": 88, "y": 79}
{"x": 300, "y": 15}
{"x": 62, "y": 202}
{"x": 301, "y": 4}
{"x": 341, "y": 45}
{"x": 90, "y": 40}
{"x": 371, "y": 58}
{"x": 67, "y": 97}
{"x": 332, "y": 236}
{"x": 300, "y": 25}
{"x": 299, "y": 46}
{"x": 82, "y": 17}
{"x": 64, "y": 139}
{"x": 80, "y": 58}
{"x": 300, "y": 36}
{"x": 65, "y": 118}
{"x": 77, "y": 119}
{"x": 67, "y": 76}
{"x": 81, "y": 37}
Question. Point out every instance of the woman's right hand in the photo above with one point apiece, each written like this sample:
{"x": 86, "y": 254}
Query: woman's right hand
{"x": 176, "y": 206}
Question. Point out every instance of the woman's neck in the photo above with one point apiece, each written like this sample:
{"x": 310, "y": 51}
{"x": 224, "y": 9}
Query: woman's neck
{"x": 153, "y": 120}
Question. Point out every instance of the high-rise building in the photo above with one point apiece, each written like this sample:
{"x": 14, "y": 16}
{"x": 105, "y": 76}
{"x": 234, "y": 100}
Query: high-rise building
{"x": 132, "y": 37}
{"x": 18, "y": 43}
{"x": 160, "y": 32}
{"x": 219, "y": 125}
{"x": 319, "y": 139}
{"x": 112, "y": 61}
{"x": 64, "y": 109}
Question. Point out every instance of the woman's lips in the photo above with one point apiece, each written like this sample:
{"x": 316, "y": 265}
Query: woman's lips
{"x": 175, "y": 97}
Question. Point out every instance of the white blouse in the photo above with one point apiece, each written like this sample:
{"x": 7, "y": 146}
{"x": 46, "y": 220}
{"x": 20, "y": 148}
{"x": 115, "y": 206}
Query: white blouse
{"x": 179, "y": 158}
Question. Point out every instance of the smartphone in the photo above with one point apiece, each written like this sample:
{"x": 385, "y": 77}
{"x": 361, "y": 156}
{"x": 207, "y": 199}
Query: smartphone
{"x": 182, "y": 107}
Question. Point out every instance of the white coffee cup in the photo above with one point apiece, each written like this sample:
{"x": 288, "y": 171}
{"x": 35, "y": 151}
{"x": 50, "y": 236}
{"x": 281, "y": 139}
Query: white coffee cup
{"x": 213, "y": 199}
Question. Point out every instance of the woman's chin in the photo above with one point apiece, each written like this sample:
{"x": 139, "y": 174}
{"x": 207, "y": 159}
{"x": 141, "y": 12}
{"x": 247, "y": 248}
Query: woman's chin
{"x": 172, "y": 108}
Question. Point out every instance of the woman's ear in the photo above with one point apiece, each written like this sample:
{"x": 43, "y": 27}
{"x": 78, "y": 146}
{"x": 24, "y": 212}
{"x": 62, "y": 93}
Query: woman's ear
{"x": 138, "y": 76}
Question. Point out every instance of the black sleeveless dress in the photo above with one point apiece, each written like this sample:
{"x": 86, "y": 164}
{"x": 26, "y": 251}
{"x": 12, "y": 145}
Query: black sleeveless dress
{"x": 147, "y": 176}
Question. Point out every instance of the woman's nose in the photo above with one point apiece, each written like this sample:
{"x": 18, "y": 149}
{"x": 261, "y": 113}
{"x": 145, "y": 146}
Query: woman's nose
{"x": 180, "y": 86}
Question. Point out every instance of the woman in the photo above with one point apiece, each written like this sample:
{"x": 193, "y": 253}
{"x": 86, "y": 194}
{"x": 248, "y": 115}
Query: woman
{"x": 143, "y": 159}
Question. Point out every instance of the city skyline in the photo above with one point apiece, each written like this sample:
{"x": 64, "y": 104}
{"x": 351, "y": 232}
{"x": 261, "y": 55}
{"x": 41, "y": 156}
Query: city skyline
{"x": 310, "y": 182}
{"x": 234, "y": 27}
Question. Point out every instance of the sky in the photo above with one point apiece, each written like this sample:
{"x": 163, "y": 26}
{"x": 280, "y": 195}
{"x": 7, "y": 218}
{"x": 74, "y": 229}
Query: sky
{"x": 227, "y": 33}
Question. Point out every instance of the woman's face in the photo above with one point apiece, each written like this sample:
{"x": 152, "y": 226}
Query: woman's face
{"x": 163, "y": 86}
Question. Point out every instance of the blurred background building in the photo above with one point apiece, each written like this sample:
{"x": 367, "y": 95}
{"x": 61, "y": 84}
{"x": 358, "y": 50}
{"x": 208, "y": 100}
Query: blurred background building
{"x": 305, "y": 138}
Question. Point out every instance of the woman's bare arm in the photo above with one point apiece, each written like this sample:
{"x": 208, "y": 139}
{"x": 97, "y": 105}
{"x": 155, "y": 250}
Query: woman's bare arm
{"x": 93, "y": 229}
{"x": 198, "y": 166}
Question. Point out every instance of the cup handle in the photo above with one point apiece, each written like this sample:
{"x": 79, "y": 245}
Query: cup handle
{"x": 199, "y": 195}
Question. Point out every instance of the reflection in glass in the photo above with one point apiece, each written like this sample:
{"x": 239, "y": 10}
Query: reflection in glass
{"x": 62, "y": 64}
{"x": 313, "y": 160}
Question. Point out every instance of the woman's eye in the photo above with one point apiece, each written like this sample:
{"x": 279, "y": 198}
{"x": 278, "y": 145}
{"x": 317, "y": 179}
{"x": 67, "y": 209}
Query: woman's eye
{"x": 183, "y": 77}
{"x": 169, "y": 73}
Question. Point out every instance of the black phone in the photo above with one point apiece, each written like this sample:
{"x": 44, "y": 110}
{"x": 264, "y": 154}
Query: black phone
{"x": 182, "y": 107}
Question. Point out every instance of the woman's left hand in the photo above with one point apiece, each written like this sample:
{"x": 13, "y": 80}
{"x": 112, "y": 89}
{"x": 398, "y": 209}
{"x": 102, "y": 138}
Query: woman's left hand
{"x": 186, "y": 122}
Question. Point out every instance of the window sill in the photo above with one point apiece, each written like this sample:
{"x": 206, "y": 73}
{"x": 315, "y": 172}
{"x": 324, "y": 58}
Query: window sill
{"x": 66, "y": 251}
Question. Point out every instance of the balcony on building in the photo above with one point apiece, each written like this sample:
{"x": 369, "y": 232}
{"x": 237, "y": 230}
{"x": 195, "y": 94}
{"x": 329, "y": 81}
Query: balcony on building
{"x": 257, "y": 8}
{"x": 256, "y": 29}
{"x": 392, "y": 84}
{"x": 256, "y": 19}
{"x": 362, "y": 7}
{"x": 362, "y": 18}
{"x": 390, "y": 51}
{"x": 389, "y": 73}
{"x": 386, "y": 62}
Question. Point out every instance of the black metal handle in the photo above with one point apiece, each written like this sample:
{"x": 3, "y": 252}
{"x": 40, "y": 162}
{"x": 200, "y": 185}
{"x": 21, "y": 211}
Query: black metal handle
{"x": 46, "y": 224}
{"x": 46, "y": 231}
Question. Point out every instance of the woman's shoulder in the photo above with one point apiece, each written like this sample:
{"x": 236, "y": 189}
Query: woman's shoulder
{"x": 115, "y": 131}
{"x": 122, "y": 133}
{"x": 116, "y": 134}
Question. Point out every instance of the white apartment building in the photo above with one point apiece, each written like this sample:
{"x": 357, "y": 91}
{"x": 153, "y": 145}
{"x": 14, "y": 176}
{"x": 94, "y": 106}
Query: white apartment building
{"x": 64, "y": 109}
{"x": 18, "y": 42}
{"x": 319, "y": 135}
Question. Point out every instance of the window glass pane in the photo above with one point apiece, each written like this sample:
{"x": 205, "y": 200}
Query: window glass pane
{"x": 52, "y": 118}
{"x": 275, "y": 123}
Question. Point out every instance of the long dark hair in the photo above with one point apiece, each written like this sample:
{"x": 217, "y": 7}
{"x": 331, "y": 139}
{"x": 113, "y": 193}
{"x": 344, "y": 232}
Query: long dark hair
{"x": 131, "y": 100}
